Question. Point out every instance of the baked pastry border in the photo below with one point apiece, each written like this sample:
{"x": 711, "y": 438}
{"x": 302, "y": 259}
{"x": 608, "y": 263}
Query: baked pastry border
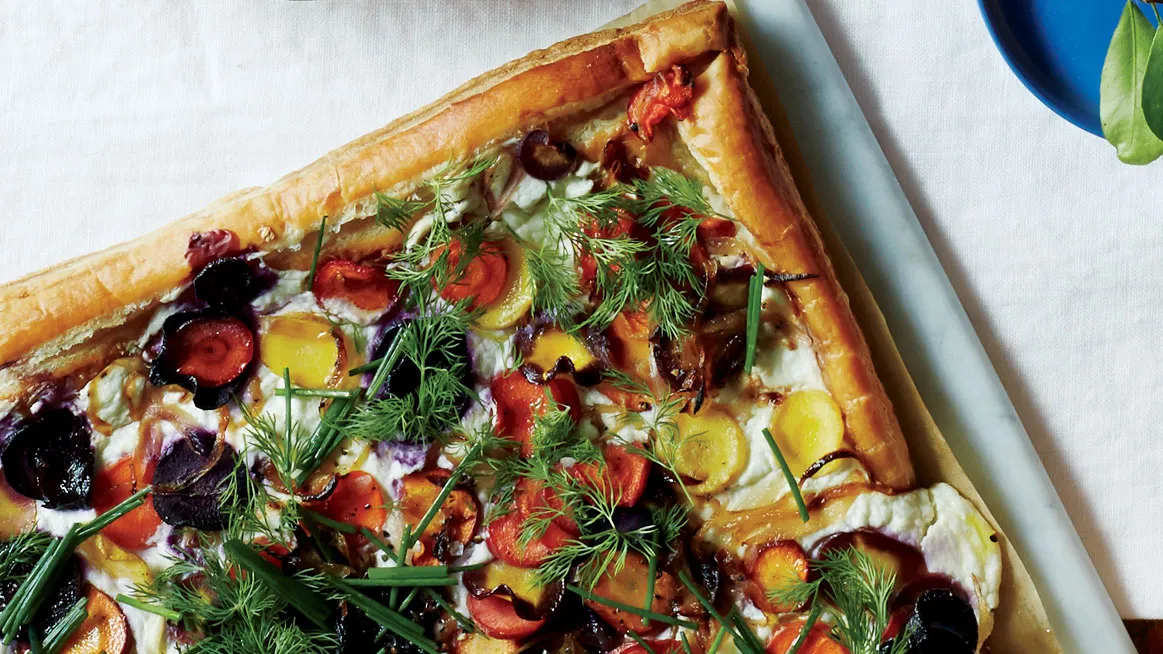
{"x": 73, "y": 317}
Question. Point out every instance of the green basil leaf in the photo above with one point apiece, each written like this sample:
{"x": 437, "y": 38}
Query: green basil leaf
{"x": 1121, "y": 91}
{"x": 1153, "y": 86}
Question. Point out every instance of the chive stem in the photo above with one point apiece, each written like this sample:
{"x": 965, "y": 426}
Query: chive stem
{"x": 651, "y": 572}
{"x": 664, "y": 619}
{"x": 291, "y": 590}
{"x": 718, "y": 640}
{"x": 334, "y": 393}
{"x": 430, "y": 514}
{"x": 465, "y": 624}
{"x": 380, "y": 543}
{"x": 741, "y": 641}
{"x": 401, "y": 561}
{"x": 386, "y": 617}
{"x": 641, "y": 642}
{"x": 754, "y": 307}
{"x": 341, "y": 527}
{"x": 813, "y": 615}
{"x": 686, "y": 645}
{"x": 744, "y": 630}
{"x": 56, "y": 637}
{"x": 792, "y": 482}
{"x": 388, "y": 582}
{"x": 33, "y": 590}
{"x": 35, "y": 646}
{"x": 315, "y": 254}
{"x": 172, "y": 616}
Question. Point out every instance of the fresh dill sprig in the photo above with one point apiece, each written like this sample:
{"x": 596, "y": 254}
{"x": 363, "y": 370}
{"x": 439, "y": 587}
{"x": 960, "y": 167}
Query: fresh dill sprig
{"x": 661, "y": 422}
{"x": 20, "y": 552}
{"x": 430, "y": 342}
{"x": 601, "y": 546}
{"x": 858, "y": 592}
{"x": 234, "y": 610}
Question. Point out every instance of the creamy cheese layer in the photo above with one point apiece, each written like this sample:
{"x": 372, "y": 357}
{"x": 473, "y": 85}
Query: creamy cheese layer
{"x": 952, "y": 536}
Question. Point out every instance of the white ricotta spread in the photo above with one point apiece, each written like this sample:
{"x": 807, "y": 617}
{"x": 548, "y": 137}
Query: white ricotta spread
{"x": 950, "y": 533}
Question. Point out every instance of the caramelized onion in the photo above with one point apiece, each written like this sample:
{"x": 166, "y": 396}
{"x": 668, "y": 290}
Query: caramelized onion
{"x": 544, "y": 158}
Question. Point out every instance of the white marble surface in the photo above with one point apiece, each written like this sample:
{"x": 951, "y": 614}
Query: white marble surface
{"x": 116, "y": 118}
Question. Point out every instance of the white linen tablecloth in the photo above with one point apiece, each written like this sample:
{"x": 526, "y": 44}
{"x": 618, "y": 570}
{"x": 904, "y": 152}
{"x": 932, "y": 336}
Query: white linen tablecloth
{"x": 118, "y": 117}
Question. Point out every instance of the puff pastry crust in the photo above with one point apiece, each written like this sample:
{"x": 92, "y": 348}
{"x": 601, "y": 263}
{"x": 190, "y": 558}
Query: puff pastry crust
{"x": 74, "y": 317}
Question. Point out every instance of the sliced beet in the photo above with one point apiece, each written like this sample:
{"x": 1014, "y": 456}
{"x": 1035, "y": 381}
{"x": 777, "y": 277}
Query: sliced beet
{"x": 404, "y": 378}
{"x": 943, "y": 622}
{"x": 356, "y": 633}
{"x": 226, "y": 284}
{"x": 49, "y": 457}
{"x": 65, "y": 591}
{"x": 206, "y": 352}
{"x": 190, "y": 480}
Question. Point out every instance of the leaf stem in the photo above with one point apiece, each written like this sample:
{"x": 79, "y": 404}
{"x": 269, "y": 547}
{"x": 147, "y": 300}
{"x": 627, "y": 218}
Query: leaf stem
{"x": 291, "y": 590}
{"x": 332, "y": 393}
{"x": 664, "y": 619}
{"x": 813, "y": 615}
{"x": 754, "y": 309}
{"x": 56, "y": 637}
{"x": 792, "y": 482}
{"x": 172, "y": 616}
{"x": 315, "y": 254}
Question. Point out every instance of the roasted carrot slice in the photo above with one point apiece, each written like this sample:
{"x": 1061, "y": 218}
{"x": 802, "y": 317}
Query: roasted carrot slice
{"x": 495, "y": 617}
{"x": 777, "y": 567}
{"x": 533, "y": 498}
{"x": 104, "y": 630}
{"x": 114, "y": 485}
{"x": 358, "y": 500}
{"x": 504, "y": 541}
{"x": 628, "y": 585}
{"x": 481, "y": 280}
{"x": 214, "y": 351}
{"x": 625, "y": 476}
{"x": 455, "y": 520}
{"x": 520, "y": 402}
{"x": 817, "y": 642}
{"x": 367, "y": 287}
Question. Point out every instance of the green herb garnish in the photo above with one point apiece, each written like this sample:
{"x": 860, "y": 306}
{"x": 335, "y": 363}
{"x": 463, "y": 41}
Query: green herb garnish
{"x": 33, "y": 590}
{"x": 60, "y": 632}
{"x": 386, "y": 617}
{"x": 813, "y": 615}
{"x": 754, "y": 308}
{"x": 858, "y": 590}
{"x": 315, "y": 254}
{"x": 1131, "y": 88}
{"x": 792, "y": 483}
{"x": 743, "y": 643}
{"x": 636, "y": 610}
{"x": 290, "y": 590}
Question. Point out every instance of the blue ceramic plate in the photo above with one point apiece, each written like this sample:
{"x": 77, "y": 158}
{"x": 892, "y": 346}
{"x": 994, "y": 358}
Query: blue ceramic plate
{"x": 1056, "y": 47}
